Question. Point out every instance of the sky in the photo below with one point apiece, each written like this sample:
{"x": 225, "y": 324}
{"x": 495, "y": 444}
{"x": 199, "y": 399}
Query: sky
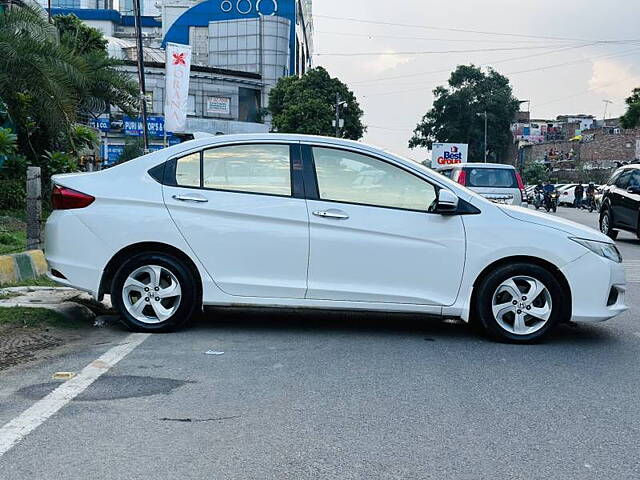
{"x": 565, "y": 57}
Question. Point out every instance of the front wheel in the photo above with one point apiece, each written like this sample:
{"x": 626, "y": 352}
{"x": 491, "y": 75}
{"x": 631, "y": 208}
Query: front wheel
{"x": 154, "y": 292}
{"x": 606, "y": 225}
{"x": 520, "y": 303}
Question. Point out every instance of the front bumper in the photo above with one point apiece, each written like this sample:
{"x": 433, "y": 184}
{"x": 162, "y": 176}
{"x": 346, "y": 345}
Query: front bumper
{"x": 592, "y": 280}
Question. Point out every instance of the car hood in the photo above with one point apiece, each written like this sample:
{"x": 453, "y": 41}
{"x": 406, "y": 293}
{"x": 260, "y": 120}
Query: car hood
{"x": 546, "y": 220}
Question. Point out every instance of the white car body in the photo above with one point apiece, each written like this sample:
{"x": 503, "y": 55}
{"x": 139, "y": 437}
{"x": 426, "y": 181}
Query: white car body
{"x": 264, "y": 250}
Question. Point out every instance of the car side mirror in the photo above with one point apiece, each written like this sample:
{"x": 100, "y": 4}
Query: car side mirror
{"x": 633, "y": 189}
{"x": 447, "y": 202}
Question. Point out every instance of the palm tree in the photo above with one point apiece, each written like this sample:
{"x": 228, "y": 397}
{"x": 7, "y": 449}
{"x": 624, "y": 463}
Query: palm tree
{"x": 45, "y": 84}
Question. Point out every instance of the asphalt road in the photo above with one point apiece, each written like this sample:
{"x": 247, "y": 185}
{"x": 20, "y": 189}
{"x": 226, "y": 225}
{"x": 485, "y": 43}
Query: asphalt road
{"x": 309, "y": 396}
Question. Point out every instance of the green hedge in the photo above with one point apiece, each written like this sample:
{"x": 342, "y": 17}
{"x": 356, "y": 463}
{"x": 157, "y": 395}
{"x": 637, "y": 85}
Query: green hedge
{"x": 12, "y": 194}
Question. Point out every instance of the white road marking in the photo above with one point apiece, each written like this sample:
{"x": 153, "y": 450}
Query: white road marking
{"x": 18, "y": 428}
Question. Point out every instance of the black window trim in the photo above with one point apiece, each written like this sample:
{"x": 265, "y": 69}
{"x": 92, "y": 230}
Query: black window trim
{"x": 297, "y": 186}
{"x": 311, "y": 178}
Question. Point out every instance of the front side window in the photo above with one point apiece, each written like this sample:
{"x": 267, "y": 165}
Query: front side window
{"x": 623, "y": 179}
{"x": 248, "y": 168}
{"x": 350, "y": 177}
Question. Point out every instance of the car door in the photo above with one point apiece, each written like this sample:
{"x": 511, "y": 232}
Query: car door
{"x": 372, "y": 235}
{"x": 618, "y": 193}
{"x": 630, "y": 199}
{"x": 238, "y": 209}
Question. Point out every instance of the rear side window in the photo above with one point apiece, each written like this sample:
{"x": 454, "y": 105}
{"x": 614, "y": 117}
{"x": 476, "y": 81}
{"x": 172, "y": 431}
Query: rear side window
{"x": 491, "y": 177}
{"x": 255, "y": 168}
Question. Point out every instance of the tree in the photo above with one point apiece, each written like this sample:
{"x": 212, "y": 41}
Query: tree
{"x": 458, "y": 110}
{"x": 534, "y": 173}
{"x": 631, "y": 118}
{"x": 45, "y": 83}
{"x": 307, "y": 105}
{"x": 133, "y": 148}
{"x": 77, "y": 36}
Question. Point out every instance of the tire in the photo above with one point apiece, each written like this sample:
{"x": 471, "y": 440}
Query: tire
{"x": 178, "y": 297}
{"x": 554, "y": 208}
{"x": 549, "y": 305}
{"x": 606, "y": 221}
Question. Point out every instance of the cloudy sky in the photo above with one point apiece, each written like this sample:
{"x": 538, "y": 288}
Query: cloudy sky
{"x": 565, "y": 57}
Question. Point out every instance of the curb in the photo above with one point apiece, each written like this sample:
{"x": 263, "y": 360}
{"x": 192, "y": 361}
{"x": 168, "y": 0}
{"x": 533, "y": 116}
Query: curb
{"x": 22, "y": 266}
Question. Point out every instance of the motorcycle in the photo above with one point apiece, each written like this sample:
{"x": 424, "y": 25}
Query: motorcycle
{"x": 590, "y": 203}
{"x": 537, "y": 200}
{"x": 551, "y": 201}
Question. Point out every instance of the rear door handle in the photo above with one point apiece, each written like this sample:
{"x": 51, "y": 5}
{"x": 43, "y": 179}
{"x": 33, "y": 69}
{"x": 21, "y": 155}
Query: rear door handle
{"x": 190, "y": 198}
{"x": 331, "y": 213}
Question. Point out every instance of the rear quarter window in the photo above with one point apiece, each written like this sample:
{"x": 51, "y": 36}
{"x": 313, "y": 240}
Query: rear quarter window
{"x": 491, "y": 177}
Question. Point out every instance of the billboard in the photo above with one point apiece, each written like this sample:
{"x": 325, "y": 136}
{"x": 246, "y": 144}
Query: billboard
{"x": 445, "y": 154}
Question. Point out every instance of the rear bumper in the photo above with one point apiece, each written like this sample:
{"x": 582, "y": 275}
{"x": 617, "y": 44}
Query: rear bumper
{"x": 75, "y": 251}
{"x": 598, "y": 288}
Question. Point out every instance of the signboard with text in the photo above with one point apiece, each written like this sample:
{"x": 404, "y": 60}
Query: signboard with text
{"x": 218, "y": 105}
{"x": 177, "y": 70}
{"x": 133, "y": 126}
{"x": 446, "y": 154}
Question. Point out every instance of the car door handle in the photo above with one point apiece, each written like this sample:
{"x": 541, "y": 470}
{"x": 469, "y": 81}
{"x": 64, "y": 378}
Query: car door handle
{"x": 190, "y": 198}
{"x": 331, "y": 213}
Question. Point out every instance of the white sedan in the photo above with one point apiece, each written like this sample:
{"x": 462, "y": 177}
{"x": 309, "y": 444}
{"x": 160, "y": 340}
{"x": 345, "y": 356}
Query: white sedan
{"x": 302, "y": 221}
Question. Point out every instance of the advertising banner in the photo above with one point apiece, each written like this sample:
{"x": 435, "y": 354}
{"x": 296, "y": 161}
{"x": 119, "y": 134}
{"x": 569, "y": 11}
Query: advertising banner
{"x": 177, "y": 87}
{"x": 445, "y": 154}
{"x": 132, "y": 127}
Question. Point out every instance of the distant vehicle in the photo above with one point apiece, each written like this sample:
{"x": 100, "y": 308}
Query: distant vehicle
{"x": 620, "y": 203}
{"x": 494, "y": 181}
{"x": 315, "y": 222}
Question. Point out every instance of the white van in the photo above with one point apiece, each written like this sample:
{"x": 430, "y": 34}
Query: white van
{"x": 495, "y": 181}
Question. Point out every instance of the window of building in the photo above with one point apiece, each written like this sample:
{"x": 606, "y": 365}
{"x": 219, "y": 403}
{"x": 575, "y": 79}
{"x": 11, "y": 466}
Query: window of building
{"x": 350, "y": 177}
{"x": 248, "y": 105}
{"x": 259, "y": 168}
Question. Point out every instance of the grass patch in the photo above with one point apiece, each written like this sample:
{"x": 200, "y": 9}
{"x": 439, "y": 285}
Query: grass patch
{"x": 35, "y": 317}
{"x": 13, "y": 234}
{"x": 32, "y": 282}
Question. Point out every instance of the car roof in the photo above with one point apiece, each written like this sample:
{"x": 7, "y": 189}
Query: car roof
{"x": 486, "y": 165}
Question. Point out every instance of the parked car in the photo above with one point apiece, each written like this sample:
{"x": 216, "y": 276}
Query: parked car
{"x": 567, "y": 194}
{"x": 495, "y": 181}
{"x": 315, "y": 222}
{"x": 620, "y": 202}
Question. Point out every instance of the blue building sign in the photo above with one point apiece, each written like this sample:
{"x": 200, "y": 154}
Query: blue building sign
{"x": 133, "y": 126}
{"x": 101, "y": 123}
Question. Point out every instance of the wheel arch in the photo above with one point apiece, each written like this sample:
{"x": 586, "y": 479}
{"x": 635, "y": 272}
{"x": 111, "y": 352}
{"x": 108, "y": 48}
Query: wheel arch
{"x": 144, "y": 247}
{"x": 550, "y": 267}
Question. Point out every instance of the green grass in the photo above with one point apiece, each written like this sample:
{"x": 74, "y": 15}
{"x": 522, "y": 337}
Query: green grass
{"x": 33, "y": 282}
{"x": 35, "y": 317}
{"x": 13, "y": 235}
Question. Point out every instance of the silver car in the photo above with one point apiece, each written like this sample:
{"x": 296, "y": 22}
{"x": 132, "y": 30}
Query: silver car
{"x": 494, "y": 181}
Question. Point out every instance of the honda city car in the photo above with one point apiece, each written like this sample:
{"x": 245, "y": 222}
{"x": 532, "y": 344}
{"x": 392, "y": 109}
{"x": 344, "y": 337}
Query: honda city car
{"x": 323, "y": 223}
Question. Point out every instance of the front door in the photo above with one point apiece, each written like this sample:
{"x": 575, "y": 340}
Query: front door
{"x": 373, "y": 237}
{"x": 236, "y": 208}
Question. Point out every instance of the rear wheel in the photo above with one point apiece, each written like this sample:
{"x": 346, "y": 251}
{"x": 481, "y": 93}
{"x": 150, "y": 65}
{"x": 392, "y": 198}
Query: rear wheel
{"x": 154, "y": 292}
{"x": 606, "y": 223}
{"x": 520, "y": 303}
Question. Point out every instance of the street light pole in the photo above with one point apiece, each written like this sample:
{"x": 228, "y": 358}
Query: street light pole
{"x": 485, "y": 136}
{"x": 143, "y": 89}
{"x": 337, "y": 115}
{"x": 604, "y": 115}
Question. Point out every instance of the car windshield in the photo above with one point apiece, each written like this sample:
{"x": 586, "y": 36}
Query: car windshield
{"x": 491, "y": 177}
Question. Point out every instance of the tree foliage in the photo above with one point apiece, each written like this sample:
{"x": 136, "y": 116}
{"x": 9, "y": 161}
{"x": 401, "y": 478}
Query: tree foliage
{"x": 49, "y": 77}
{"x": 631, "y": 118}
{"x": 458, "y": 110}
{"x": 534, "y": 173}
{"x": 307, "y": 105}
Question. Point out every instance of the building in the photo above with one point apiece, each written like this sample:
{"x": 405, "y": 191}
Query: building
{"x": 240, "y": 49}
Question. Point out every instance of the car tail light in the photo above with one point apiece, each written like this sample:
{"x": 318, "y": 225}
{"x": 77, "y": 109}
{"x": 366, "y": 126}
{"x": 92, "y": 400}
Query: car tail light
{"x": 462, "y": 177}
{"x": 520, "y": 186}
{"x": 63, "y": 198}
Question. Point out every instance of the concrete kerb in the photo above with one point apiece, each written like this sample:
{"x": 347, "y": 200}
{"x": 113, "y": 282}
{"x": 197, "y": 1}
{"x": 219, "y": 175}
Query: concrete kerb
{"x": 22, "y": 266}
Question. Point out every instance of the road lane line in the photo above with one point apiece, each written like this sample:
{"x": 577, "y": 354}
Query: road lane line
{"x": 18, "y": 428}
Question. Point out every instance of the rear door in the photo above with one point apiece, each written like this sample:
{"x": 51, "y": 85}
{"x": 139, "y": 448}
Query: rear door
{"x": 497, "y": 184}
{"x": 241, "y": 212}
{"x": 630, "y": 199}
{"x": 373, "y": 237}
{"x": 617, "y": 195}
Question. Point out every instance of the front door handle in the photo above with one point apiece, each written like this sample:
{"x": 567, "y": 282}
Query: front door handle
{"x": 190, "y": 198}
{"x": 331, "y": 213}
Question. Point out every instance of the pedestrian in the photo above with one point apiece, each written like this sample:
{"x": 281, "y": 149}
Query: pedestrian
{"x": 579, "y": 191}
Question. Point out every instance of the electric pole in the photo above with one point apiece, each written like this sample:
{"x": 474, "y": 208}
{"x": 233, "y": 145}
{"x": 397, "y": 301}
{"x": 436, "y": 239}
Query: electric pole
{"x": 339, "y": 103}
{"x": 143, "y": 89}
{"x": 485, "y": 134}
{"x": 604, "y": 115}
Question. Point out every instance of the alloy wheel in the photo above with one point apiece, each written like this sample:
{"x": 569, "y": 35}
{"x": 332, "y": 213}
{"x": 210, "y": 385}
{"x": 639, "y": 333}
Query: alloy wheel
{"x": 151, "y": 294}
{"x": 604, "y": 224}
{"x": 522, "y": 305}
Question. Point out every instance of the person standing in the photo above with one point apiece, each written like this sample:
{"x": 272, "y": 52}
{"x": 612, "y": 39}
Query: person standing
{"x": 579, "y": 191}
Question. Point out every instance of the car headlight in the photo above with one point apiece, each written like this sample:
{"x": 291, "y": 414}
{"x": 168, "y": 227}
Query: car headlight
{"x": 604, "y": 249}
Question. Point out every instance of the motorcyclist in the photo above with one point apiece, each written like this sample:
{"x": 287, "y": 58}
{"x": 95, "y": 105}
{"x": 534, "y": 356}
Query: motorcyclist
{"x": 539, "y": 187}
{"x": 548, "y": 188}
